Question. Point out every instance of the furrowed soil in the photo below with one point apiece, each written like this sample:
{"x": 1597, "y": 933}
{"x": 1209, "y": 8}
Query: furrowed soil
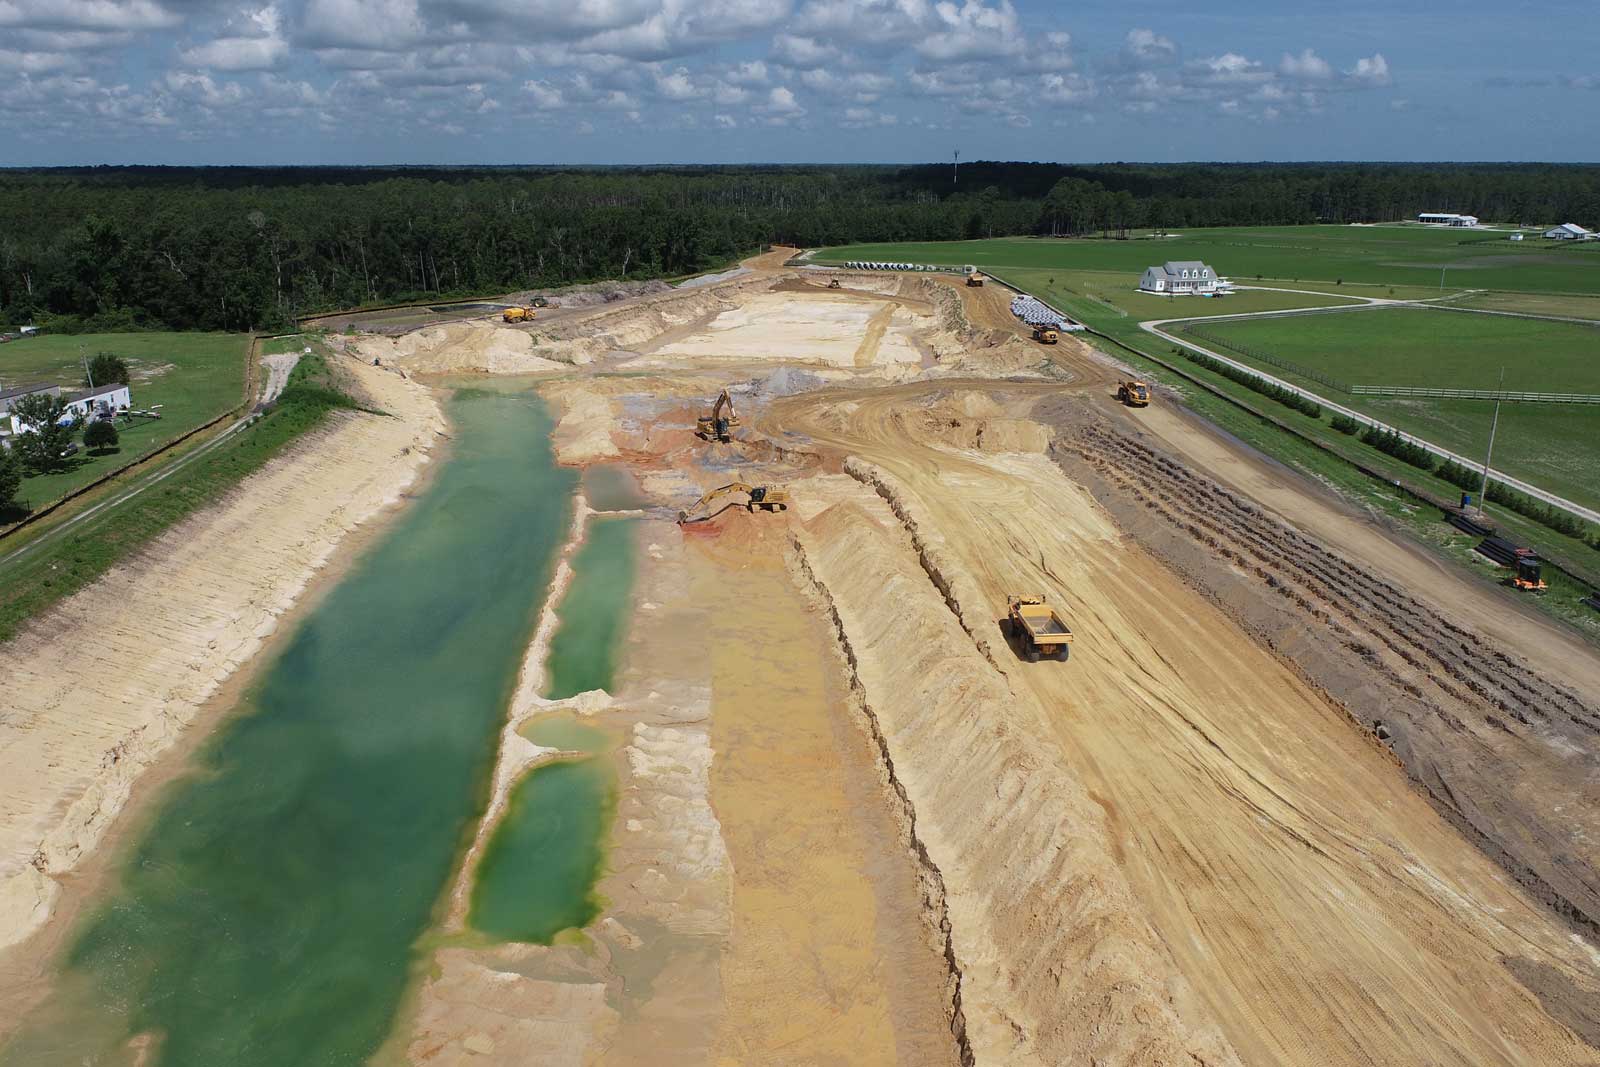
{"x": 1302, "y": 794}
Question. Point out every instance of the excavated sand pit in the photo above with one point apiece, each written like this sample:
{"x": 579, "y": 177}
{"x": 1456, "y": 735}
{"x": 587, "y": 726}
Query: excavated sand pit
{"x": 854, "y": 825}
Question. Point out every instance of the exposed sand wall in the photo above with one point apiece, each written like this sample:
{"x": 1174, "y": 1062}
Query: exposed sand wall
{"x": 1054, "y": 965}
{"x": 105, "y": 683}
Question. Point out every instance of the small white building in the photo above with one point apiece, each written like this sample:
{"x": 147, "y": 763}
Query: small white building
{"x": 1568, "y": 231}
{"x": 1515, "y": 237}
{"x": 102, "y": 401}
{"x": 1446, "y": 218}
{"x": 1184, "y": 277}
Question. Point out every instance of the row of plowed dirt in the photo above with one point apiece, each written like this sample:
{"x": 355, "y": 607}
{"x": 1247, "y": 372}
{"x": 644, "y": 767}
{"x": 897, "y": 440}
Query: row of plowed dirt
{"x": 1309, "y": 902}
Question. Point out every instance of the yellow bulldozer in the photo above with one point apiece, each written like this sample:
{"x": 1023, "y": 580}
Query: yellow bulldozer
{"x": 720, "y": 424}
{"x": 1046, "y": 335}
{"x": 1135, "y": 394}
{"x": 518, "y": 314}
{"x": 720, "y": 499}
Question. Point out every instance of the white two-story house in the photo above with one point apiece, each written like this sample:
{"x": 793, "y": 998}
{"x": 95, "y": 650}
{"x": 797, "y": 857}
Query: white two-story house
{"x": 1179, "y": 278}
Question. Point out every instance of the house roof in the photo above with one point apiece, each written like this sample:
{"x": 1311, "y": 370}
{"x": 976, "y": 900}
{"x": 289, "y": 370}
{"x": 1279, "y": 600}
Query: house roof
{"x": 101, "y": 390}
{"x": 25, "y": 390}
{"x": 1177, "y": 266}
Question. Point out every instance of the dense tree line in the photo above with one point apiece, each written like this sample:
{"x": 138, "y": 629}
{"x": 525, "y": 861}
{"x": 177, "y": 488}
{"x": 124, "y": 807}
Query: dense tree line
{"x": 239, "y": 248}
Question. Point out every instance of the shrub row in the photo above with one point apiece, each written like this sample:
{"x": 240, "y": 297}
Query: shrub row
{"x": 1287, "y": 397}
{"x": 1560, "y": 521}
{"x": 1407, "y": 451}
{"x": 1345, "y": 424}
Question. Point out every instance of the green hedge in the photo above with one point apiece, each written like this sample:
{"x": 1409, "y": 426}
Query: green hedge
{"x": 1287, "y": 397}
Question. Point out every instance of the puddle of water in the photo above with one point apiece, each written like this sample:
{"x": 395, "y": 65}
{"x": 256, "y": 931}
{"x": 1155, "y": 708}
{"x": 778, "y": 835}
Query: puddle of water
{"x": 612, "y": 487}
{"x": 539, "y": 869}
{"x": 267, "y": 914}
{"x": 593, "y": 613}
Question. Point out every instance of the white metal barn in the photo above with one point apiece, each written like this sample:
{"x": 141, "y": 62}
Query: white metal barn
{"x": 1446, "y": 218}
{"x": 1568, "y": 231}
{"x": 1179, "y": 278}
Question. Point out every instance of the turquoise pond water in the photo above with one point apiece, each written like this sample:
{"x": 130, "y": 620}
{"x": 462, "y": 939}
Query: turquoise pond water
{"x": 593, "y": 613}
{"x": 538, "y": 872}
{"x": 267, "y": 913}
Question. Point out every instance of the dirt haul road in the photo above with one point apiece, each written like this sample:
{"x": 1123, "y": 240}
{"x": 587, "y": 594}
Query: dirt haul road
{"x": 1316, "y": 907}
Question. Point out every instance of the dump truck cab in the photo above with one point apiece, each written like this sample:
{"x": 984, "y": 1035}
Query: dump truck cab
{"x": 1135, "y": 394}
{"x": 1036, "y": 628}
{"x": 1045, "y": 335}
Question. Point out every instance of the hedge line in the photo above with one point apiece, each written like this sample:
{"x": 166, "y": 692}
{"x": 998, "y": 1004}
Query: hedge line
{"x": 1287, "y": 397}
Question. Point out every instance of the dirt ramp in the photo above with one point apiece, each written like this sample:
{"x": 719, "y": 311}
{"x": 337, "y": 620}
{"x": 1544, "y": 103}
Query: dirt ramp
{"x": 1054, "y": 964}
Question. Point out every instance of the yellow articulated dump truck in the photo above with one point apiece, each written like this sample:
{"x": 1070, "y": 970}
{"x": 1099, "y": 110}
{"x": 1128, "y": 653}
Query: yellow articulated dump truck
{"x": 518, "y": 314}
{"x": 1135, "y": 394}
{"x": 1045, "y": 335}
{"x": 1036, "y": 628}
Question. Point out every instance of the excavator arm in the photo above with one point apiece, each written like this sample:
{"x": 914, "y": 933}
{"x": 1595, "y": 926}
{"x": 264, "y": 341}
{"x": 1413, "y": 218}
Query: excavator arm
{"x": 724, "y": 403}
{"x": 704, "y": 508}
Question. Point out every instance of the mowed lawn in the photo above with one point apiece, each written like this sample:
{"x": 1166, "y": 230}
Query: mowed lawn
{"x": 1417, "y": 346}
{"x": 194, "y": 377}
{"x": 1369, "y": 255}
{"x": 1554, "y": 446}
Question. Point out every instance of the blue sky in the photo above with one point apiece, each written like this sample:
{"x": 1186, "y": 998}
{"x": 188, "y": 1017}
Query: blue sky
{"x": 617, "y": 81}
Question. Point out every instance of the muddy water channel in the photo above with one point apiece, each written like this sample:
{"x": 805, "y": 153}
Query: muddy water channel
{"x": 267, "y": 914}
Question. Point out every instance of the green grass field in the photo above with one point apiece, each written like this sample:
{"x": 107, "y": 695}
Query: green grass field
{"x": 1369, "y": 255}
{"x": 1413, "y": 346}
{"x": 1117, "y": 293}
{"x": 1578, "y": 307}
{"x": 193, "y": 376}
{"x": 1554, "y": 446}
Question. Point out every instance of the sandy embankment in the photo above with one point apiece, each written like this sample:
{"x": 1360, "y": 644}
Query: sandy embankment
{"x": 105, "y": 683}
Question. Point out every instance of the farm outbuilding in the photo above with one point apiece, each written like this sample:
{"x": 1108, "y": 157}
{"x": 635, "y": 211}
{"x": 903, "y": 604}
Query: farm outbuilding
{"x": 1446, "y": 218}
{"x": 1568, "y": 231}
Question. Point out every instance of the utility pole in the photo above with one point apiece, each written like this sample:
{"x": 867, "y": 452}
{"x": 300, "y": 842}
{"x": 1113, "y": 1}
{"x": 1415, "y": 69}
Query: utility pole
{"x": 87, "y": 376}
{"x": 955, "y": 166}
{"x": 1483, "y": 487}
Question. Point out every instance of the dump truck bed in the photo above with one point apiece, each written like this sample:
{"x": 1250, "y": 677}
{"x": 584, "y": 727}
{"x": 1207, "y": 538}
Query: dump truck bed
{"x": 1043, "y": 625}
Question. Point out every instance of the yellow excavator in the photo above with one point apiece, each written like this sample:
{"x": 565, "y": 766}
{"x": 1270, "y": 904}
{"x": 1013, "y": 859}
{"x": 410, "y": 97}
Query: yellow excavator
{"x": 720, "y": 424}
{"x": 714, "y": 503}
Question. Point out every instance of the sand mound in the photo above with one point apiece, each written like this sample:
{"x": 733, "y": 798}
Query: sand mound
{"x": 460, "y": 346}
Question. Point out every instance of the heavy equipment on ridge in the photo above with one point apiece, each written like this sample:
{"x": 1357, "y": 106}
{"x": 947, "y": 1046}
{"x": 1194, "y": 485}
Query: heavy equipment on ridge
{"x": 833, "y": 283}
{"x": 1036, "y": 627}
{"x": 720, "y": 424}
{"x": 1135, "y": 394}
{"x": 756, "y": 498}
{"x": 518, "y": 314}
{"x": 1045, "y": 335}
{"x": 975, "y": 280}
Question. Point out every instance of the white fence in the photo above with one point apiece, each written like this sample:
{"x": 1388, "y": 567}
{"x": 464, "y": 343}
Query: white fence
{"x": 1472, "y": 394}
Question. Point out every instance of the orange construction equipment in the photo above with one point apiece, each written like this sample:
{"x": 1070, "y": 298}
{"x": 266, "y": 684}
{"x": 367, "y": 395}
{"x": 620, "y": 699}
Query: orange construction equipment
{"x": 720, "y": 424}
{"x": 1135, "y": 394}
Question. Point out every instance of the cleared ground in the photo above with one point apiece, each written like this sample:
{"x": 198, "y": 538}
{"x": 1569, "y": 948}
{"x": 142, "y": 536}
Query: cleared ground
{"x": 194, "y": 377}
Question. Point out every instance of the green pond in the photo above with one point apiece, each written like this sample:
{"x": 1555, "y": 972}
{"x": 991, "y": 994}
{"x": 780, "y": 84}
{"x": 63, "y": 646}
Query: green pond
{"x": 538, "y": 872}
{"x": 592, "y": 616}
{"x": 267, "y": 913}
{"x": 611, "y": 487}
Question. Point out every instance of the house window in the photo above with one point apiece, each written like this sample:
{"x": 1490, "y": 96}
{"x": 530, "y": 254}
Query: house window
{"x": 1205, "y": 274}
